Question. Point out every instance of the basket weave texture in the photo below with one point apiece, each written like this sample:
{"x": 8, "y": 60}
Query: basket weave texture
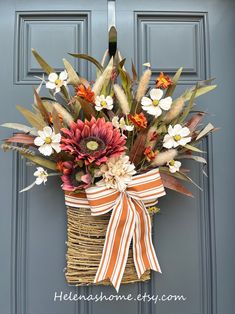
{"x": 86, "y": 236}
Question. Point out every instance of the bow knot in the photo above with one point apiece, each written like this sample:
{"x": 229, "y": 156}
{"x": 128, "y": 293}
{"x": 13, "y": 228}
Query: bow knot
{"x": 129, "y": 220}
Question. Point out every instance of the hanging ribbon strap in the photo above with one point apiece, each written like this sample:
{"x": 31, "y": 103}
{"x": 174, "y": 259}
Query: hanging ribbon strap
{"x": 129, "y": 220}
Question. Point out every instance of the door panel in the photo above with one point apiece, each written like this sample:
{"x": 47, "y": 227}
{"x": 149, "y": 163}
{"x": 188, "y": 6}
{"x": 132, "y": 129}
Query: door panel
{"x": 187, "y": 232}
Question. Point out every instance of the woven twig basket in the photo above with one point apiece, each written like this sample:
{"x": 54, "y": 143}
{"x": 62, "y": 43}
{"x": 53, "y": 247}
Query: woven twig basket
{"x": 86, "y": 235}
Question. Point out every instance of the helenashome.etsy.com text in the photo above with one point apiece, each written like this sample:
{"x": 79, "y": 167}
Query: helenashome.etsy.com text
{"x": 60, "y": 296}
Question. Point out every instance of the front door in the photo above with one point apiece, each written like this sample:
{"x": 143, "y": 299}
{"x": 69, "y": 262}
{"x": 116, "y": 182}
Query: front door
{"x": 193, "y": 237}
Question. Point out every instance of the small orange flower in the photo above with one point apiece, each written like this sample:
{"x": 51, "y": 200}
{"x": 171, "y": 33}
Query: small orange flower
{"x": 163, "y": 81}
{"x": 85, "y": 92}
{"x": 64, "y": 167}
{"x": 139, "y": 120}
{"x": 59, "y": 115}
{"x": 149, "y": 153}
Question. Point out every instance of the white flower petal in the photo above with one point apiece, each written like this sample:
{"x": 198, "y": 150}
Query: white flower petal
{"x": 47, "y": 131}
{"x": 168, "y": 143}
{"x": 102, "y": 98}
{"x": 42, "y": 135}
{"x": 145, "y": 101}
{"x": 98, "y": 108}
{"x": 50, "y": 85}
{"x": 177, "y": 129}
{"x": 171, "y": 131}
{"x": 177, "y": 164}
{"x": 109, "y": 107}
{"x": 46, "y": 150}
{"x": 129, "y": 128}
{"x": 52, "y": 77}
{"x": 109, "y": 100}
{"x": 156, "y": 93}
{"x": 57, "y": 90}
{"x": 172, "y": 169}
{"x": 184, "y": 132}
{"x": 63, "y": 75}
{"x": 115, "y": 122}
{"x": 56, "y": 138}
{"x": 56, "y": 147}
{"x": 155, "y": 111}
{"x": 165, "y": 103}
{"x": 183, "y": 141}
{"x": 176, "y": 144}
{"x": 39, "y": 181}
{"x": 38, "y": 141}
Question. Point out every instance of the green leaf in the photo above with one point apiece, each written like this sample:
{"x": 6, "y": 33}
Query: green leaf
{"x": 189, "y": 107}
{"x": 134, "y": 72}
{"x": 45, "y": 66}
{"x": 20, "y": 127}
{"x": 41, "y": 161}
{"x": 193, "y": 148}
{"x": 32, "y": 118}
{"x": 48, "y": 69}
{"x": 196, "y": 158}
{"x": 28, "y": 187}
{"x": 72, "y": 74}
{"x": 209, "y": 128}
{"x": 88, "y": 58}
{"x": 175, "y": 79}
{"x": 200, "y": 91}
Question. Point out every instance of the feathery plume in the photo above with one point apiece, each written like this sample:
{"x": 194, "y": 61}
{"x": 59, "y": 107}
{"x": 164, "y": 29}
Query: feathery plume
{"x": 162, "y": 158}
{"x": 175, "y": 110}
{"x": 143, "y": 84}
{"x": 121, "y": 97}
{"x": 103, "y": 78}
{"x": 66, "y": 116}
{"x": 22, "y": 150}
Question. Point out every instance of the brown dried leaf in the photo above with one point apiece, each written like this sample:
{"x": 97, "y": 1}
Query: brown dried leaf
{"x": 42, "y": 108}
{"x": 21, "y": 138}
{"x": 137, "y": 150}
{"x": 56, "y": 121}
{"x": 87, "y": 108}
{"x": 195, "y": 120}
{"x": 172, "y": 183}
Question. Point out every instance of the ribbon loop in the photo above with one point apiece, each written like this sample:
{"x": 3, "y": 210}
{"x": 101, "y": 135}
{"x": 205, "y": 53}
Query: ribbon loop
{"x": 129, "y": 220}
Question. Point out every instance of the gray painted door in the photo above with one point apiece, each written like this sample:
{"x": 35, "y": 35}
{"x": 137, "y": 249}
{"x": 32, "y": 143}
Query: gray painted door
{"x": 193, "y": 236}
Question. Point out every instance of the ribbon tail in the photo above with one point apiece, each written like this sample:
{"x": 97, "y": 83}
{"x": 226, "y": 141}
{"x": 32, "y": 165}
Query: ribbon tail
{"x": 143, "y": 250}
{"x": 117, "y": 242}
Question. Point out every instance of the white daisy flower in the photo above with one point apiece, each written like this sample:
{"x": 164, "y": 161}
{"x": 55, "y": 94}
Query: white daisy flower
{"x": 121, "y": 124}
{"x": 41, "y": 175}
{"x": 176, "y": 136}
{"x": 174, "y": 165}
{"x": 48, "y": 141}
{"x": 102, "y": 102}
{"x": 116, "y": 173}
{"x": 155, "y": 104}
{"x": 56, "y": 81}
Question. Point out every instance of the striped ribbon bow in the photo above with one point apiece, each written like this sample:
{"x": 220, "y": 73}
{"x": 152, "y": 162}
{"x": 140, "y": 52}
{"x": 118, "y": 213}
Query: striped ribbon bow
{"x": 129, "y": 220}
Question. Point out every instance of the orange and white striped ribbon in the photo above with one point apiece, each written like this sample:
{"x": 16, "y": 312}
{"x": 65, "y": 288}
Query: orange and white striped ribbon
{"x": 129, "y": 220}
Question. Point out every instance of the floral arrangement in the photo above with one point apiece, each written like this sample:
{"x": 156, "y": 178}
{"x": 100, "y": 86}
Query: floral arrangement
{"x": 104, "y": 133}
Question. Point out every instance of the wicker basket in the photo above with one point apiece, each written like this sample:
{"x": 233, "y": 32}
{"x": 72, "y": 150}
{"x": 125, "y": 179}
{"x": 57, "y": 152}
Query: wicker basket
{"x": 86, "y": 235}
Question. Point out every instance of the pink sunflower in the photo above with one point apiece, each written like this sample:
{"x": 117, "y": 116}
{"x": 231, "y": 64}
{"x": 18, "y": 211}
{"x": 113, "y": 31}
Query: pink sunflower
{"x": 73, "y": 177}
{"x": 92, "y": 141}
